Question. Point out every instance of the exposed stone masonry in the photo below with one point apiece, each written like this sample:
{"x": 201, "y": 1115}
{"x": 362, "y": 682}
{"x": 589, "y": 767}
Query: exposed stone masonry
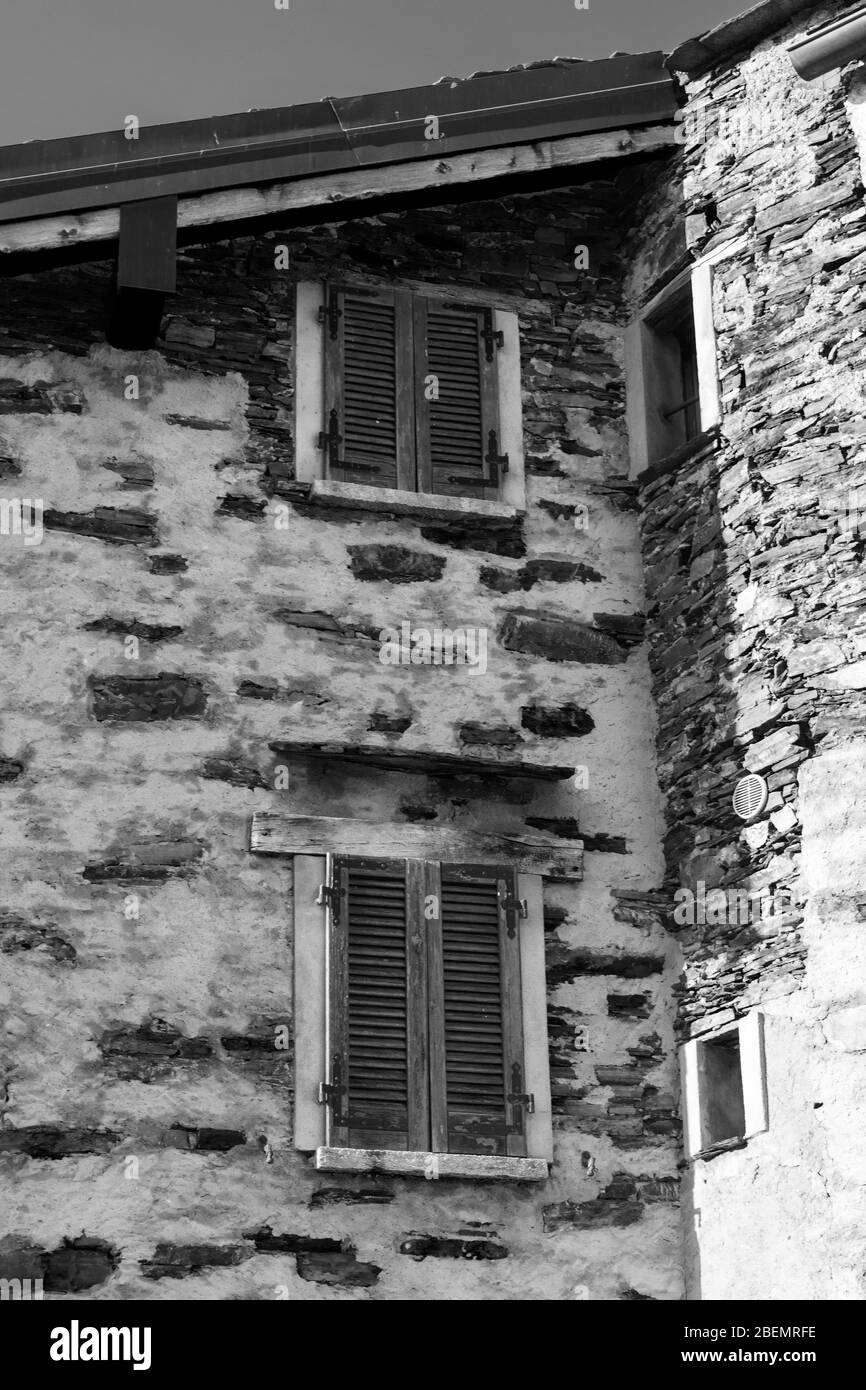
{"x": 753, "y": 547}
{"x": 160, "y": 527}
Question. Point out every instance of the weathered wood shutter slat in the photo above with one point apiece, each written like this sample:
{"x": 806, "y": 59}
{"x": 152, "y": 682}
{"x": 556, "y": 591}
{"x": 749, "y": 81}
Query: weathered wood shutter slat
{"x": 456, "y": 400}
{"x": 377, "y": 1028}
{"x": 481, "y": 1037}
{"x": 369, "y": 386}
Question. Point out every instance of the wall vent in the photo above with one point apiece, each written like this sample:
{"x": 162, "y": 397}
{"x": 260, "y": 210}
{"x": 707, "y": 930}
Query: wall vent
{"x": 750, "y": 796}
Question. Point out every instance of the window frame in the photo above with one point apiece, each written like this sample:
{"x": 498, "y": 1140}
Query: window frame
{"x": 651, "y": 358}
{"x": 671, "y": 323}
{"x": 311, "y": 1010}
{"x": 309, "y": 397}
{"x": 697, "y": 1142}
{"x": 648, "y": 444}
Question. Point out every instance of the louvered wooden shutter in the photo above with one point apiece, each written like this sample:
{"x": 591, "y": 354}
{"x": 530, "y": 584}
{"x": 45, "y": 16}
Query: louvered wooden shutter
{"x": 377, "y": 1006}
{"x": 457, "y": 435}
{"x": 476, "y": 1026}
{"x": 369, "y": 410}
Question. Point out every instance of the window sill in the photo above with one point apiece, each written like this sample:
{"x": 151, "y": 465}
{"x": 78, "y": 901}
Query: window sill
{"x": 328, "y": 492}
{"x": 421, "y": 1165}
{"x": 707, "y": 442}
{"x": 724, "y": 1146}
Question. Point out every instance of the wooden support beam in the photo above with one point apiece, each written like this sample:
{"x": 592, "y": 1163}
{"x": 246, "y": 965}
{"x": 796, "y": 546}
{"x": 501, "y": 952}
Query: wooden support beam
{"x": 283, "y": 833}
{"x": 147, "y": 249}
{"x": 322, "y": 191}
{"x": 146, "y": 271}
{"x": 421, "y": 763}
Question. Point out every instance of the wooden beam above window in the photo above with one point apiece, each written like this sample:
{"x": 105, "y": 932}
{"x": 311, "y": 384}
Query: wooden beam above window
{"x": 283, "y": 833}
{"x": 422, "y": 763}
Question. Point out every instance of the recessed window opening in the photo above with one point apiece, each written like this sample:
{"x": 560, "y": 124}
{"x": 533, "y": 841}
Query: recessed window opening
{"x": 678, "y": 404}
{"x": 721, "y": 1089}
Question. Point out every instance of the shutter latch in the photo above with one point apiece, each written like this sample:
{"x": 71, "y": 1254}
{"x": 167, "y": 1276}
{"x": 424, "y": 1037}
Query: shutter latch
{"x": 492, "y": 338}
{"x": 331, "y": 313}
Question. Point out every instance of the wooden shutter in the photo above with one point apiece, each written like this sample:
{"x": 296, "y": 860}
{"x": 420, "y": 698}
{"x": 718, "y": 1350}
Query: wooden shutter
{"x": 377, "y": 1025}
{"x": 457, "y": 435}
{"x": 476, "y": 1025}
{"x": 369, "y": 424}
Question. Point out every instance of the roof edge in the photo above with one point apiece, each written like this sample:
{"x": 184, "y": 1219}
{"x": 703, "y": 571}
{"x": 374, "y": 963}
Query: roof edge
{"x": 432, "y": 123}
{"x": 698, "y": 55}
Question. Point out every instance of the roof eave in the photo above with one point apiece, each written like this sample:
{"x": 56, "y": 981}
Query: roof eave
{"x": 46, "y": 178}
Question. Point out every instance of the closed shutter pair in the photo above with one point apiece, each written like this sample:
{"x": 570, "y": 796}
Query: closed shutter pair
{"x": 425, "y": 1032}
{"x": 411, "y": 394}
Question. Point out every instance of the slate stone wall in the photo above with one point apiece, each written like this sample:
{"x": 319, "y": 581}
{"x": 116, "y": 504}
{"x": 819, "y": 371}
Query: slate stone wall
{"x": 756, "y": 616}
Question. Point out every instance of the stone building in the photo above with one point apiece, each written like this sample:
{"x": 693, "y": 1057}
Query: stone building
{"x": 419, "y": 514}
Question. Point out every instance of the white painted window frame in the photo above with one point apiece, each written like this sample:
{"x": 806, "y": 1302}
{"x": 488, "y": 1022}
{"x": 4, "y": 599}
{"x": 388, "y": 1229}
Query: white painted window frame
{"x": 753, "y": 1069}
{"x": 311, "y": 1032}
{"x": 641, "y": 347}
{"x": 310, "y": 417}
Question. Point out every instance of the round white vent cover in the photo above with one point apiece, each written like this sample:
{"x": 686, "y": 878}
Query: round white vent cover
{"x": 750, "y": 796}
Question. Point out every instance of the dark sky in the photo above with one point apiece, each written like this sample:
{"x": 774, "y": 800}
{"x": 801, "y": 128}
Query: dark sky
{"x": 69, "y": 67}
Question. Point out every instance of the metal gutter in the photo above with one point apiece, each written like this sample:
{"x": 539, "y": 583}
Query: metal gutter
{"x": 830, "y": 45}
{"x": 41, "y": 178}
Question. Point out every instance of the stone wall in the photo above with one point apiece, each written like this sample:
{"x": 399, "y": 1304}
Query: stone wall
{"x": 753, "y": 553}
{"x": 185, "y": 609}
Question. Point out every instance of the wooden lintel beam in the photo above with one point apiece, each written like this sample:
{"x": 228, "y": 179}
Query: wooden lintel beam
{"x": 283, "y": 833}
{"x": 324, "y": 191}
{"x": 422, "y": 763}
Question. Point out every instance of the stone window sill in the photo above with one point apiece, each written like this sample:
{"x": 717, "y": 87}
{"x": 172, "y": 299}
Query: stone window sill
{"x": 705, "y": 443}
{"x": 724, "y": 1146}
{"x": 405, "y": 1163}
{"x": 328, "y": 492}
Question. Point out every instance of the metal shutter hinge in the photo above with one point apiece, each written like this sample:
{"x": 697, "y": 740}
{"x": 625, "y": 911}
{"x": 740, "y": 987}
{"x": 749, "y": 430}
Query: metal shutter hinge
{"x": 513, "y": 908}
{"x": 518, "y": 905}
{"x": 332, "y": 1092}
{"x": 331, "y": 313}
{"x": 328, "y": 897}
{"x": 521, "y": 1100}
{"x": 498, "y": 462}
{"x": 525, "y": 1099}
{"x": 331, "y": 441}
{"x": 493, "y": 339}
